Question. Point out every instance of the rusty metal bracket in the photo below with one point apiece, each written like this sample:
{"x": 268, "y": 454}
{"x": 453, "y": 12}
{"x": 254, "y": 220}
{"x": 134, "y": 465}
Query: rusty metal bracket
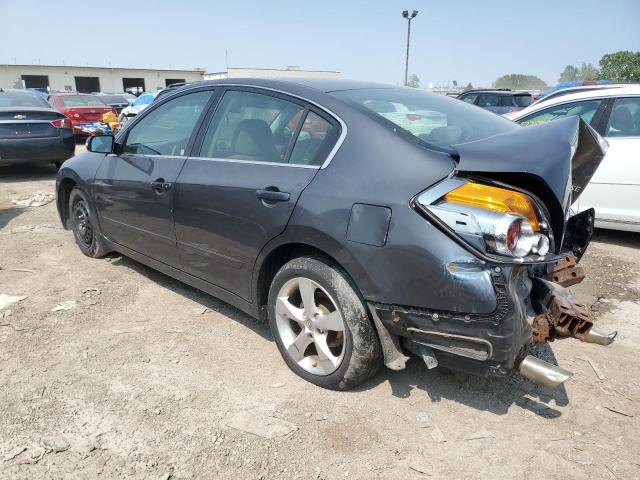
{"x": 566, "y": 271}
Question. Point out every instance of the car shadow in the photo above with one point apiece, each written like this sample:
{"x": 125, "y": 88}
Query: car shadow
{"x": 27, "y": 172}
{"x": 495, "y": 394}
{"x": 204, "y": 299}
{"x": 8, "y": 214}
{"x": 617, "y": 237}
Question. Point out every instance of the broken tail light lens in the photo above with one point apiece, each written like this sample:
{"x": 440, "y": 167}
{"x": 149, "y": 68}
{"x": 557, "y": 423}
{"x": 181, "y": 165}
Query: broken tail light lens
{"x": 494, "y": 219}
{"x": 62, "y": 123}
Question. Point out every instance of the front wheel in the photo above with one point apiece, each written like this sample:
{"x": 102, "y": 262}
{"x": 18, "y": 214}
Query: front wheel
{"x": 84, "y": 225}
{"x": 321, "y": 325}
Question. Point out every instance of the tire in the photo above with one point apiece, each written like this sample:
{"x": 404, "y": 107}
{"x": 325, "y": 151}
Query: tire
{"x": 84, "y": 225}
{"x": 308, "y": 333}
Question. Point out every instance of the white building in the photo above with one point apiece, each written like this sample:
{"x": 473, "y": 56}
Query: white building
{"x": 291, "y": 71}
{"x": 93, "y": 79}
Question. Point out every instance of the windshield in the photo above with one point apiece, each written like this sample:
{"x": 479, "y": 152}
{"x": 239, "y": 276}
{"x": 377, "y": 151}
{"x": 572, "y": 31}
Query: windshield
{"x": 436, "y": 120}
{"x": 113, "y": 99}
{"x": 81, "y": 101}
{"x": 20, "y": 99}
{"x": 523, "y": 100}
{"x": 144, "y": 99}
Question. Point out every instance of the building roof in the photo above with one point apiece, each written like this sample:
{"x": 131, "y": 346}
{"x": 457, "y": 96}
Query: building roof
{"x": 195, "y": 70}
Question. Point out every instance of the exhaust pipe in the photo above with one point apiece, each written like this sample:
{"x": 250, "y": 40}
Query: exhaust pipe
{"x": 543, "y": 373}
{"x": 600, "y": 338}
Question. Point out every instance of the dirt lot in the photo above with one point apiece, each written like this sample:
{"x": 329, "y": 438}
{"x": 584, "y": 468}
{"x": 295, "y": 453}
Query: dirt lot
{"x": 143, "y": 377}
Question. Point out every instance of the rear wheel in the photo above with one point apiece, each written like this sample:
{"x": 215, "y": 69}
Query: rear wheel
{"x": 321, "y": 326}
{"x": 84, "y": 225}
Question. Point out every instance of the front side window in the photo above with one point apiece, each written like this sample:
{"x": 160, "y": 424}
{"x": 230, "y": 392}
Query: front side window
{"x": 471, "y": 98}
{"x": 252, "y": 126}
{"x": 585, "y": 109}
{"x": 625, "y": 118}
{"x": 167, "y": 129}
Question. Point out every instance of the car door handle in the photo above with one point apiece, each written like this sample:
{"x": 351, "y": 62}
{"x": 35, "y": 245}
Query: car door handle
{"x": 160, "y": 186}
{"x": 273, "y": 195}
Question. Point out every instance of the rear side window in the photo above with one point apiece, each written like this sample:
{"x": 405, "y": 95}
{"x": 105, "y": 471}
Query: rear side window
{"x": 507, "y": 101}
{"x": 625, "y": 118}
{"x": 488, "y": 101}
{"x": 523, "y": 100}
{"x": 167, "y": 129}
{"x": 315, "y": 133}
{"x": 252, "y": 126}
{"x": 586, "y": 110}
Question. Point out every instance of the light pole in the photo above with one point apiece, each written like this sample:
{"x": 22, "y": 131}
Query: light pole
{"x": 405, "y": 14}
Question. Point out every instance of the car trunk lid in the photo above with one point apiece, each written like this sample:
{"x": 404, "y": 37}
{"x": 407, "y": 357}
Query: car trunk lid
{"x": 28, "y": 122}
{"x": 554, "y": 161}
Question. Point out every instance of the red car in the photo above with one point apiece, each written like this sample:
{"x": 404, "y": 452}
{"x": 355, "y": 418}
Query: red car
{"x": 80, "y": 108}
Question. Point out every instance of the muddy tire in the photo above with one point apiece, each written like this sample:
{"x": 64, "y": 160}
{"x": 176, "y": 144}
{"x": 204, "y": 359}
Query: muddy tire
{"x": 84, "y": 225}
{"x": 321, "y": 325}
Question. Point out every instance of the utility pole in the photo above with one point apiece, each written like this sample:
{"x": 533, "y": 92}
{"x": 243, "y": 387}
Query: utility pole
{"x": 405, "y": 14}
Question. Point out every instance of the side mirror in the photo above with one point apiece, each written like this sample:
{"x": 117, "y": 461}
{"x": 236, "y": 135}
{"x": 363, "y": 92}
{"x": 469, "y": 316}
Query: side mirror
{"x": 101, "y": 144}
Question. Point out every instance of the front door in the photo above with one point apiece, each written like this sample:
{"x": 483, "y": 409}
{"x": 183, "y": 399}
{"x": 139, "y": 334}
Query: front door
{"x": 134, "y": 188}
{"x": 259, "y": 152}
{"x": 614, "y": 190}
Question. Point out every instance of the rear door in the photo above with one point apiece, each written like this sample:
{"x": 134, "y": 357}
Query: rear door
{"x": 257, "y": 152}
{"x": 614, "y": 190}
{"x": 134, "y": 188}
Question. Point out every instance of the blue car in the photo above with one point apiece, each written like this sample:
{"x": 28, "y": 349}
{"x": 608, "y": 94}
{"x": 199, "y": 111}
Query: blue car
{"x": 498, "y": 101}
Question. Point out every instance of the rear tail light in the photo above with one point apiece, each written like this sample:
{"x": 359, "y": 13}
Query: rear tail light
{"x": 496, "y": 220}
{"x": 62, "y": 123}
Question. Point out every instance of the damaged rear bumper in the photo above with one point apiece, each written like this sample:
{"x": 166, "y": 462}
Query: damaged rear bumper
{"x": 530, "y": 309}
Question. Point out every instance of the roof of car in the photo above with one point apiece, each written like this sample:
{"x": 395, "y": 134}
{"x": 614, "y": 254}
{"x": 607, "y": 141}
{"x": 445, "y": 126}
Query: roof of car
{"x": 499, "y": 91}
{"x": 632, "y": 90}
{"x": 19, "y": 90}
{"x": 321, "y": 84}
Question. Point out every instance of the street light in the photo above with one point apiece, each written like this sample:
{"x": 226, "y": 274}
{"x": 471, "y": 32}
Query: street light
{"x": 405, "y": 14}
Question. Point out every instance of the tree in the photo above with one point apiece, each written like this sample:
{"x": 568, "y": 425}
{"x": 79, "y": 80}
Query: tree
{"x": 468, "y": 87}
{"x": 414, "y": 81}
{"x": 569, "y": 74}
{"x": 586, "y": 72}
{"x": 623, "y": 66}
{"x": 519, "y": 81}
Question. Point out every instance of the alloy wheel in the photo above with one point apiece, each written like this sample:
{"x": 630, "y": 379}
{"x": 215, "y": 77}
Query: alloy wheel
{"x": 310, "y": 326}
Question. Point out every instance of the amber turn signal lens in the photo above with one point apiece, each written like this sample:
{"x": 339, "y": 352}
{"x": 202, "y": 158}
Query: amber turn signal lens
{"x": 496, "y": 199}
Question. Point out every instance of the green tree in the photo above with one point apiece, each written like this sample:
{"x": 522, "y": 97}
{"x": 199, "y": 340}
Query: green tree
{"x": 586, "y": 72}
{"x": 623, "y": 66}
{"x": 569, "y": 74}
{"x": 520, "y": 81}
{"x": 468, "y": 87}
{"x": 414, "y": 81}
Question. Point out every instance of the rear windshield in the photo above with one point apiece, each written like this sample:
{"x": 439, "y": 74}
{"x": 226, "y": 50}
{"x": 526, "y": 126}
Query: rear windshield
{"x": 435, "y": 120}
{"x": 523, "y": 100}
{"x": 81, "y": 101}
{"x": 20, "y": 99}
{"x": 113, "y": 99}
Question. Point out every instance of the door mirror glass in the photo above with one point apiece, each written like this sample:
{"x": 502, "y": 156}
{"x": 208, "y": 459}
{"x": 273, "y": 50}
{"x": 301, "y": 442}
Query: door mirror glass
{"x": 101, "y": 144}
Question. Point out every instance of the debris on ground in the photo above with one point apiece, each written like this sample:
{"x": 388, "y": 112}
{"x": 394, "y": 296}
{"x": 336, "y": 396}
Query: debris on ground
{"x": 420, "y": 469}
{"x": 480, "y": 435}
{"x": 618, "y": 411}
{"x": 595, "y": 368}
{"x": 38, "y": 199}
{"x": 437, "y": 435}
{"x": 56, "y": 444}
{"x": 14, "y": 453}
{"x": 261, "y": 425}
{"x": 24, "y": 270}
{"x": 423, "y": 420}
{"x": 66, "y": 305}
{"x": 90, "y": 290}
{"x": 6, "y": 300}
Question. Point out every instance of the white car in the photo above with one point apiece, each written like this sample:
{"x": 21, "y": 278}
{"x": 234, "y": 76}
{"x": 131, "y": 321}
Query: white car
{"x": 139, "y": 104}
{"x": 614, "y": 190}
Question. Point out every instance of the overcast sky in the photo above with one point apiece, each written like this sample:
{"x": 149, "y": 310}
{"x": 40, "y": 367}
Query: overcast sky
{"x": 463, "y": 40}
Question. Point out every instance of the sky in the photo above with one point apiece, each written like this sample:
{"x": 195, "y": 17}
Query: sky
{"x": 463, "y": 40}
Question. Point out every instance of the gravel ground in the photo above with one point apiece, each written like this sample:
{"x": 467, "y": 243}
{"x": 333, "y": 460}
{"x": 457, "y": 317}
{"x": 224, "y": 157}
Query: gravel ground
{"x": 135, "y": 375}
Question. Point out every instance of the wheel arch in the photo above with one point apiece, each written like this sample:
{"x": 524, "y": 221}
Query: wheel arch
{"x": 63, "y": 194}
{"x": 282, "y": 249}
